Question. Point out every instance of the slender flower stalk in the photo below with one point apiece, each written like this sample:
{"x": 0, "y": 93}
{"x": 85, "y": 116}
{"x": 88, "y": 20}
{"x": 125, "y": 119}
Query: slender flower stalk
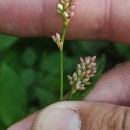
{"x": 61, "y": 75}
{"x": 64, "y": 8}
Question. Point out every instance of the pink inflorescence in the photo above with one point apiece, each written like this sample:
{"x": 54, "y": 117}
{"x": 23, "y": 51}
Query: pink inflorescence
{"x": 57, "y": 40}
{"x": 65, "y": 8}
{"x": 84, "y": 72}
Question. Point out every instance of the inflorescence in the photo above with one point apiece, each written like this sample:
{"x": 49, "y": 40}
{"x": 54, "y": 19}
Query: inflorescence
{"x": 57, "y": 39}
{"x": 65, "y": 8}
{"x": 84, "y": 72}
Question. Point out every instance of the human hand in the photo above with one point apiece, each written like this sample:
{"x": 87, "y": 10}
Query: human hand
{"x": 94, "y": 19}
{"x": 110, "y": 89}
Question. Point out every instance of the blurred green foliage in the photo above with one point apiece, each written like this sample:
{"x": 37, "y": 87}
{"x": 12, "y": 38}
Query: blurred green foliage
{"x": 29, "y": 71}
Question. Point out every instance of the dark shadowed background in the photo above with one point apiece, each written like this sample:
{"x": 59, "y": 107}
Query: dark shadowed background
{"x": 29, "y": 71}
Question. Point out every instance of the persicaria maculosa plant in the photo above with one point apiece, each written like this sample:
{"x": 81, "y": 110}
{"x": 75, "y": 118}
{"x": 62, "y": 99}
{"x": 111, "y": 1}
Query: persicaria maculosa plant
{"x": 87, "y": 69}
{"x": 64, "y": 8}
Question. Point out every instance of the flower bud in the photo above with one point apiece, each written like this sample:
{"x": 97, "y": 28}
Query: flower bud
{"x": 79, "y": 82}
{"x": 69, "y": 77}
{"x": 83, "y": 64}
{"x": 59, "y": 11}
{"x": 54, "y": 38}
{"x": 91, "y": 75}
{"x": 58, "y": 37}
{"x": 83, "y": 68}
{"x": 87, "y": 61}
{"x": 60, "y": 7}
{"x": 94, "y": 68}
{"x": 79, "y": 66}
{"x": 88, "y": 72}
{"x": 62, "y": 2}
{"x": 93, "y": 58}
{"x": 82, "y": 88}
{"x": 92, "y": 64}
{"x": 89, "y": 66}
{"x": 87, "y": 83}
{"x": 79, "y": 71}
{"x": 65, "y": 15}
{"x": 74, "y": 75}
{"x": 85, "y": 80}
{"x": 71, "y": 83}
{"x": 77, "y": 86}
{"x": 81, "y": 60}
{"x": 94, "y": 71}
{"x": 83, "y": 74}
{"x": 75, "y": 78}
{"x": 72, "y": 7}
{"x": 66, "y": 5}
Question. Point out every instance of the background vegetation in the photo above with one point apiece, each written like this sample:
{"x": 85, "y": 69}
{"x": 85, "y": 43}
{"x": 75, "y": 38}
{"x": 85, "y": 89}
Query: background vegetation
{"x": 29, "y": 71}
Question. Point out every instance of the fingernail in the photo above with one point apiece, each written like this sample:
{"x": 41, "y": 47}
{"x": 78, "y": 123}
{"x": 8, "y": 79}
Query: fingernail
{"x": 59, "y": 119}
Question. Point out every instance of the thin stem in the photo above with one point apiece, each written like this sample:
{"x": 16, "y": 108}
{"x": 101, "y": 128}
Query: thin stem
{"x": 61, "y": 63}
{"x": 64, "y": 31}
{"x": 70, "y": 96}
{"x": 61, "y": 75}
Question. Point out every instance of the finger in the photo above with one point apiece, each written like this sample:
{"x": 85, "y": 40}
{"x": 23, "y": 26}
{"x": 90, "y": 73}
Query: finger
{"x": 93, "y": 19}
{"x": 37, "y": 17}
{"x": 25, "y": 124}
{"x": 113, "y": 87}
{"x": 82, "y": 116}
{"x": 77, "y": 116}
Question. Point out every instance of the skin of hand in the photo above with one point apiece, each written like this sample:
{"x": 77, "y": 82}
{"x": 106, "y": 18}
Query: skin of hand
{"x": 102, "y": 19}
{"x": 94, "y": 19}
{"x": 112, "y": 88}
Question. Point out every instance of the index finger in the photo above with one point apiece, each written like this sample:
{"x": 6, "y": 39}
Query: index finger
{"x": 94, "y": 19}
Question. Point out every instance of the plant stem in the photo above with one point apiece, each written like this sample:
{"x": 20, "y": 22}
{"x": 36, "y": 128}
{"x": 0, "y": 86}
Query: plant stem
{"x": 70, "y": 96}
{"x": 61, "y": 63}
{"x": 64, "y": 31}
{"x": 61, "y": 75}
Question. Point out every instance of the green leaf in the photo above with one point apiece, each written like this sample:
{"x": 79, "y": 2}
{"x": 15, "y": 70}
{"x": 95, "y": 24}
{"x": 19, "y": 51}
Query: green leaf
{"x": 13, "y": 96}
{"x": 80, "y": 95}
{"x": 2, "y": 127}
{"x": 89, "y": 47}
{"x": 28, "y": 76}
{"x": 50, "y": 63}
{"x": 121, "y": 48}
{"x": 45, "y": 97}
{"x": 6, "y": 41}
{"x": 29, "y": 57}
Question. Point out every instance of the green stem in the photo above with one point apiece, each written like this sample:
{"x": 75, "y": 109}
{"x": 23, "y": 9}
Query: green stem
{"x": 64, "y": 31}
{"x": 61, "y": 75}
{"x": 61, "y": 63}
{"x": 70, "y": 96}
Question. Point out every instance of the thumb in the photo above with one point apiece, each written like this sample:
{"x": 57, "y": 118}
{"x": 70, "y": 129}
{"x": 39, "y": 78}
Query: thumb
{"x": 82, "y": 116}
